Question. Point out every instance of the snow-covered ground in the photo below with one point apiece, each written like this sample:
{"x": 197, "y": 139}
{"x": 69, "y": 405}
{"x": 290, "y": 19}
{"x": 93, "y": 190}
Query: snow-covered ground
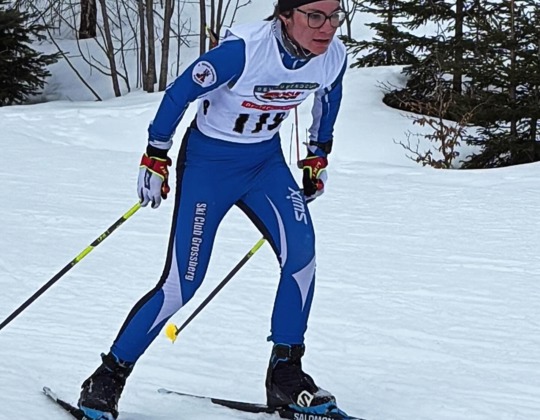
{"x": 428, "y": 296}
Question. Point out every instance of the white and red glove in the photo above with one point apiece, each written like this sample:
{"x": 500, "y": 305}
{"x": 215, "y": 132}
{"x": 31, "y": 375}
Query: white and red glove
{"x": 314, "y": 175}
{"x": 153, "y": 182}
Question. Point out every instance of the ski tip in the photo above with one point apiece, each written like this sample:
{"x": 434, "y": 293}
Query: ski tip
{"x": 49, "y": 393}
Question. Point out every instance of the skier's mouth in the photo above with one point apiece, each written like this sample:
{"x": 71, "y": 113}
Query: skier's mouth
{"x": 322, "y": 41}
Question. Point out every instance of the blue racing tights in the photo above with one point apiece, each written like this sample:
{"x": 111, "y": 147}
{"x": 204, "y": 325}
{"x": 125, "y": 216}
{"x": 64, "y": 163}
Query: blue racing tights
{"x": 212, "y": 176}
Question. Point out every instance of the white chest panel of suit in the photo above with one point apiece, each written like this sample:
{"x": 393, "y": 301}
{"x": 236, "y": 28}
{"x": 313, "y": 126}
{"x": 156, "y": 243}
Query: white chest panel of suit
{"x": 253, "y": 108}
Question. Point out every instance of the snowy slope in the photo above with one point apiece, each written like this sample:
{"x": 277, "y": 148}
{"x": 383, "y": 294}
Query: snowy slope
{"x": 428, "y": 297}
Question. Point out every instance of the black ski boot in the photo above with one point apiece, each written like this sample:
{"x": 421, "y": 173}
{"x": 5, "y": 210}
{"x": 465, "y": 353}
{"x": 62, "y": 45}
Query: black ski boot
{"x": 287, "y": 385}
{"x": 101, "y": 391}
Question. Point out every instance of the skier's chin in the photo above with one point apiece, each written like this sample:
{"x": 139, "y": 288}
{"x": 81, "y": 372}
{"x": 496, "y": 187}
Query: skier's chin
{"x": 319, "y": 47}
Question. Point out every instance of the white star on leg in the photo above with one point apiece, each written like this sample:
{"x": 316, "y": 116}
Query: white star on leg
{"x": 304, "y": 278}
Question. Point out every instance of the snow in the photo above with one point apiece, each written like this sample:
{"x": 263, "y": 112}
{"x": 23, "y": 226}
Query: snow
{"x": 427, "y": 303}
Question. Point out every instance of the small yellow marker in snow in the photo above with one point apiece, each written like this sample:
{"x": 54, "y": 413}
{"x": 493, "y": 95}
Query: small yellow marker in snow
{"x": 171, "y": 331}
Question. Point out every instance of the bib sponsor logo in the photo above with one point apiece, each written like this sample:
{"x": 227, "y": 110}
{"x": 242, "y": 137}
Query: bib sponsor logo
{"x": 280, "y": 96}
{"x": 253, "y": 105}
{"x": 204, "y": 74}
{"x": 284, "y": 92}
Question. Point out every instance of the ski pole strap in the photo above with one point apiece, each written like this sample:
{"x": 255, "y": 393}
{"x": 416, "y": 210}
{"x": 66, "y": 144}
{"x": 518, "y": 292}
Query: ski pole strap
{"x": 326, "y": 147}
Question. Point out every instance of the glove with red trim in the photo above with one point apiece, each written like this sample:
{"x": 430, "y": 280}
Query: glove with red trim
{"x": 314, "y": 175}
{"x": 153, "y": 182}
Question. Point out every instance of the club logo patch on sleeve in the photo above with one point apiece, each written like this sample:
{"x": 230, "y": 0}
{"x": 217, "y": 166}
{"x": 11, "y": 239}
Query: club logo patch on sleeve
{"x": 204, "y": 74}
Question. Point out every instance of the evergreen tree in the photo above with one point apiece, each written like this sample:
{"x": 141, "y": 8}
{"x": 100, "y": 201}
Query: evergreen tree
{"x": 447, "y": 59}
{"x": 482, "y": 62}
{"x": 509, "y": 82}
{"x": 22, "y": 69}
{"x": 443, "y": 52}
{"x": 390, "y": 45}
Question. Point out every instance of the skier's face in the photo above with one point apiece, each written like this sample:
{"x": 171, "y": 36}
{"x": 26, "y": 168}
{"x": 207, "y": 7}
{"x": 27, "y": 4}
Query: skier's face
{"x": 312, "y": 26}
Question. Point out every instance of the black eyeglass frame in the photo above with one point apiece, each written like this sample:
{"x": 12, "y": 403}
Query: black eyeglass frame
{"x": 340, "y": 13}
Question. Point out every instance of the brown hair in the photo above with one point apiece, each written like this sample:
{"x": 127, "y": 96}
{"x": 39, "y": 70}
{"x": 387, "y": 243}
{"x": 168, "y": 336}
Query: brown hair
{"x": 277, "y": 13}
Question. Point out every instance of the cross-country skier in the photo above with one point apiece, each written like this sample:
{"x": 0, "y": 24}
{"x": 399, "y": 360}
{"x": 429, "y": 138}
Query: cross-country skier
{"x": 231, "y": 156}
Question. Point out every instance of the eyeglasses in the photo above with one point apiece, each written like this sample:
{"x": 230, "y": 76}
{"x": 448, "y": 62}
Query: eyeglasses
{"x": 317, "y": 19}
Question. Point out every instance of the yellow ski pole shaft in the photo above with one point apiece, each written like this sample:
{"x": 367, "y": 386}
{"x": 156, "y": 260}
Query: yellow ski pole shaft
{"x": 172, "y": 330}
{"x": 71, "y": 264}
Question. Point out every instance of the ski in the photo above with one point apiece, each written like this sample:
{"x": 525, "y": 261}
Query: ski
{"x": 74, "y": 411}
{"x": 260, "y": 408}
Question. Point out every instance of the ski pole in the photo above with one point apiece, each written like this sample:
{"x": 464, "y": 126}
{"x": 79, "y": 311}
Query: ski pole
{"x": 73, "y": 262}
{"x": 297, "y": 135}
{"x": 172, "y": 330}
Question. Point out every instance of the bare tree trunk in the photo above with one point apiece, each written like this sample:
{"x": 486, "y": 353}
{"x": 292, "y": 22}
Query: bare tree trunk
{"x": 216, "y": 22}
{"x": 142, "y": 53}
{"x": 87, "y": 27}
{"x": 110, "y": 48}
{"x": 512, "y": 90}
{"x": 390, "y": 23}
{"x": 348, "y": 7}
{"x": 202, "y": 35}
{"x": 169, "y": 8}
{"x": 219, "y": 19}
{"x": 212, "y": 16}
{"x": 151, "y": 70}
{"x": 457, "y": 81}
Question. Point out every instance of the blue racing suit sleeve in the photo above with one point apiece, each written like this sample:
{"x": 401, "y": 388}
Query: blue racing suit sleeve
{"x": 324, "y": 112}
{"x": 223, "y": 64}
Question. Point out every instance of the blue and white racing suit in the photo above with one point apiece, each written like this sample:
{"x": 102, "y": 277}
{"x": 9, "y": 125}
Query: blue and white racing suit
{"x": 231, "y": 156}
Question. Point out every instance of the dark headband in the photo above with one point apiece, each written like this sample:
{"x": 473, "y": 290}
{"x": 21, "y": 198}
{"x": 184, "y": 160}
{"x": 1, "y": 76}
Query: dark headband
{"x": 286, "y": 5}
